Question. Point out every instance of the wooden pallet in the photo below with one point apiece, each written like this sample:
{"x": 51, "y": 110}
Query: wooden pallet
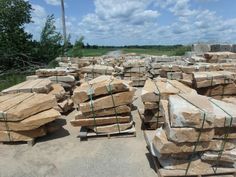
{"x": 161, "y": 172}
{"x": 86, "y": 134}
{"x": 30, "y": 143}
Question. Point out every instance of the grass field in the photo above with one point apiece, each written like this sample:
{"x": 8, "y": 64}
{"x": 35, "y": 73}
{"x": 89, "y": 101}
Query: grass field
{"x": 11, "y": 79}
{"x": 170, "y": 51}
{"x": 93, "y": 52}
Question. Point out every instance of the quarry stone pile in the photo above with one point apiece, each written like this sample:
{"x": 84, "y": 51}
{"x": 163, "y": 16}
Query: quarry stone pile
{"x": 104, "y": 105}
{"x": 25, "y": 116}
{"x": 198, "y": 132}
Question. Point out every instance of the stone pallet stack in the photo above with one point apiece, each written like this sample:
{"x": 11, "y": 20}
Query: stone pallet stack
{"x": 217, "y": 84}
{"x": 64, "y": 76}
{"x": 104, "y": 105}
{"x": 30, "y": 86}
{"x": 155, "y": 62}
{"x": 216, "y": 57}
{"x": 64, "y": 102}
{"x": 184, "y": 71}
{"x": 93, "y": 71}
{"x": 45, "y": 86}
{"x": 135, "y": 71}
{"x": 152, "y": 92}
{"x": 78, "y": 62}
{"x": 25, "y": 116}
{"x": 199, "y": 131}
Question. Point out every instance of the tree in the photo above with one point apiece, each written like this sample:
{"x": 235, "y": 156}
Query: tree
{"x": 50, "y": 40}
{"x": 77, "y": 49}
{"x": 14, "y": 41}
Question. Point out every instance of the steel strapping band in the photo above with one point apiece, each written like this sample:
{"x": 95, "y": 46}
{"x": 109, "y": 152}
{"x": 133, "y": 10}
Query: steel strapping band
{"x": 199, "y": 134}
{"x": 159, "y": 99}
{"x": 109, "y": 90}
{"x": 91, "y": 105}
{"x": 230, "y": 122}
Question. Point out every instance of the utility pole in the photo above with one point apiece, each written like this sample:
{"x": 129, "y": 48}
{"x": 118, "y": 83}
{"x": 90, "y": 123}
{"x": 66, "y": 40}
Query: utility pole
{"x": 63, "y": 26}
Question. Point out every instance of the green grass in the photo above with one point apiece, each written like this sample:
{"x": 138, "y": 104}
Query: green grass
{"x": 170, "y": 51}
{"x": 93, "y": 52}
{"x": 11, "y": 79}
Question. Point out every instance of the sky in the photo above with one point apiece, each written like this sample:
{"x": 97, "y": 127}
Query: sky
{"x": 140, "y": 22}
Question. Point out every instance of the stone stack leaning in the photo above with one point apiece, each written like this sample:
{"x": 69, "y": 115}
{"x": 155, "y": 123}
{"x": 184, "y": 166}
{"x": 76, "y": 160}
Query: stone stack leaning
{"x": 199, "y": 131}
{"x": 104, "y": 105}
{"x": 153, "y": 92}
{"x": 25, "y": 116}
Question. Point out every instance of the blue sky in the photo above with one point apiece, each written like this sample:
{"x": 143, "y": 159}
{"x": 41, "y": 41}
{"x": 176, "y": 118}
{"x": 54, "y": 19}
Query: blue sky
{"x": 129, "y": 22}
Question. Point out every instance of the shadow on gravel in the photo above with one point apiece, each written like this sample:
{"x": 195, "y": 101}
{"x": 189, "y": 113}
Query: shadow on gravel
{"x": 56, "y": 132}
{"x": 150, "y": 160}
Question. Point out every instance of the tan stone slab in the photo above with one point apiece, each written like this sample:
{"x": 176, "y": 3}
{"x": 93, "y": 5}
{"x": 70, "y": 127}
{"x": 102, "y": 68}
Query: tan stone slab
{"x": 230, "y": 100}
{"x": 207, "y": 79}
{"x": 185, "y": 112}
{"x": 50, "y": 72}
{"x": 162, "y": 89}
{"x": 102, "y": 69}
{"x": 119, "y": 99}
{"x": 100, "y": 121}
{"x": 112, "y": 128}
{"x": 24, "y": 105}
{"x": 58, "y": 91}
{"x": 99, "y": 88}
{"x": 219, "y": 90}
{"x": 164, "y": 146}
{"x": 104, "y": 112}
{"x": 30, "y": 86}
{"x": 66, "y": 105}
{"x": 151, "y": 105}
{"x": 226, "y": 157}
{"x": 31, "y": 122}
{"x": 180, "y": 135}
{"x": 12, "y": 136}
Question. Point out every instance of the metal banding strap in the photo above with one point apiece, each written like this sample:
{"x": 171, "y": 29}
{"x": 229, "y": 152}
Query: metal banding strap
{"x": 171, "y": 71}
{"x": 159, "y": 99}
{"x": 90, "y": 93}
{"x": 4, "y": 116}
{"x": 227, "y": 124}
{"x": 109, "y": 90}
{"x": 199, "y": 134}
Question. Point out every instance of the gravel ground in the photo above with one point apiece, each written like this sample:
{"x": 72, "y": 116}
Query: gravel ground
{"x": 62, "y": 154}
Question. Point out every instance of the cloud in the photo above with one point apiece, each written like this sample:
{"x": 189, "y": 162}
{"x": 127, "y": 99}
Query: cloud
{"x": 53, "y": 2}
{"x": 139, "y": 22}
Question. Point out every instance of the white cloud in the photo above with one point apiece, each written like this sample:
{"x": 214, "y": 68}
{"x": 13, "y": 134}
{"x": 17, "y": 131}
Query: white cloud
{"x": 127, "y": 22}
{"x": 53, "y": 2}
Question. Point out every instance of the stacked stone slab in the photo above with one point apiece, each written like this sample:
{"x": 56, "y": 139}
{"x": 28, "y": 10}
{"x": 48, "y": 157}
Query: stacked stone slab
{"x": 217, "y": 84}
{"x": 135, "y": 71}
{"x": 25, "y": 116}
{"x": 64, "y": 102}
{"x": 93, "y": 71}
{"x": 45, "y": 86}
{"x": 104, "y": 105}
{"x": 154, "y": 64}
{"x": 153, "y": 92}
{"x": 199, "y": 131}
{"x": 64, "y": 76}
{"x": 216, "y": 57}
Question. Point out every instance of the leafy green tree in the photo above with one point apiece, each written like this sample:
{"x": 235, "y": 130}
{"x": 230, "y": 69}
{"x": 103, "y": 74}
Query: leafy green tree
{"x": 77, "y": 50}
{"x": 14, "y": 41}
{"x": 50, "y": 40}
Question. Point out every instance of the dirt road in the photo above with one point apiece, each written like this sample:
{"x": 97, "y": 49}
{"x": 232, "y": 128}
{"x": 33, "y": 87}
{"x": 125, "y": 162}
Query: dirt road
{"x": 63, "y": 155}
